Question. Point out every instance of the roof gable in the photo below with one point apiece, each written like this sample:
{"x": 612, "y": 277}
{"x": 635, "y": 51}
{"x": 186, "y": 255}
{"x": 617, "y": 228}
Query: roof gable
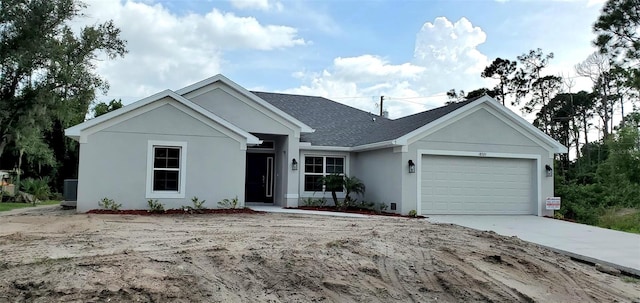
{"x": 503, "y": 113}
{"x": 81, "y": 131}
{"x": 188, "y": 90}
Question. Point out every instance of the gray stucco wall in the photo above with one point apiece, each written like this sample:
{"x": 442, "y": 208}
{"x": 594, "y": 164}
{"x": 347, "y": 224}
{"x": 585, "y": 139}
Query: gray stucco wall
{"x": 113, "y": 162}
{"x": 481, "y": 131}
{"x": 381, "y": 172}
{"x": 239, "y": 113}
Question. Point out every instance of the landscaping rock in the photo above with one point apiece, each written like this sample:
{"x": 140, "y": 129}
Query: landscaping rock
{"x": 607, "y": 269}
{"x": 26, "y": 198}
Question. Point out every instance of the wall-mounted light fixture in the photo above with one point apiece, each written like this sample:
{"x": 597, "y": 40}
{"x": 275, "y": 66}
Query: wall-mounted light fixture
{"x": 294, "y": 164}
{"x": 549, "y": 170}
{"x": 412, "y": 167}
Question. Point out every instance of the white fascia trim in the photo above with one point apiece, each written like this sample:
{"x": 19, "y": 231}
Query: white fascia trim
{"x": 75, "y": 130}
{"x": 181, "y": 193}
{"x": 478, "y": 154}
{"x": 247, "y": 101}
{"x": 377, "y": 145}
{"x": 327, "y": 148}
{"x": 220, "y": 78}
{"x": 557, "y": 147}
{"x": 81, "y": 131}
{"x": 359, "y": 148}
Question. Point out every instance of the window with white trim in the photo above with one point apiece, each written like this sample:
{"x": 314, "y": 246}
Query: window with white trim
{"x": 317, "y": 167}
{"x": 166, "y": 169}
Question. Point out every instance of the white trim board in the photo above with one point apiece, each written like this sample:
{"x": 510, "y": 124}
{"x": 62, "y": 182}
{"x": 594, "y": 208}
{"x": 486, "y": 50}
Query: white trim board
{"x": 431, "y": 152}
{"x": 532, "y": 132}
{"x": 185, "y": 91}
{"x": 81, "y": 131}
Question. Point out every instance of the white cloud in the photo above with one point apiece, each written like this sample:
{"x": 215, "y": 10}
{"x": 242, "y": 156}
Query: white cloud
{"x": 368, "y": 68}
{"x": 445, "y": 57}
{"x": 264, "y": 5}
{"x": 452, "y": 45}
{"x": 168, "y": 50}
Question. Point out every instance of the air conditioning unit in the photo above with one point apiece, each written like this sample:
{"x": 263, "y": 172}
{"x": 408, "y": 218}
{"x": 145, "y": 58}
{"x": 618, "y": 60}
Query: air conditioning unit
{"x": 70, "y": 190}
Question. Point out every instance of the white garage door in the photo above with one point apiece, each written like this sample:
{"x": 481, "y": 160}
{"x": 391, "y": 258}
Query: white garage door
{"x": 473, "y": 185}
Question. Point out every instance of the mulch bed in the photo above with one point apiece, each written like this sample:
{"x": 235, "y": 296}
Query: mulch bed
{"x": 355, "y": 211}
{"x": 144, "y": 212}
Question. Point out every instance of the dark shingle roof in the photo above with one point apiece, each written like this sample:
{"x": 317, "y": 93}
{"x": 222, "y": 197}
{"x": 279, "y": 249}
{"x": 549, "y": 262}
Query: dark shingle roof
{"x": 337, "y": 124}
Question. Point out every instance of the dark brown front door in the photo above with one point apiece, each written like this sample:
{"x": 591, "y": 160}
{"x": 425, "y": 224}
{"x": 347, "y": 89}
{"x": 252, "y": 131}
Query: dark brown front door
{"x": 259, "y": 178}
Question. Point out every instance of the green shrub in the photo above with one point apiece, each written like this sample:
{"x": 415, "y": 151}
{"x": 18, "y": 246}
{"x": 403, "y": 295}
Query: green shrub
{"x": 197, "y": 204}
{"x": 229, "y": 203}
{"x": 413, "y": 213}
{"x": 319, "y": 202}
{"x": 382, "y": 206}
{"x": 155, "y": 206}
{"x": 39, "y": 188}
{"x": 581, "y": 203}
{"x": 352, "y": 185}
{"x": 107, "y": 203}
{"x": 362, "y": 205}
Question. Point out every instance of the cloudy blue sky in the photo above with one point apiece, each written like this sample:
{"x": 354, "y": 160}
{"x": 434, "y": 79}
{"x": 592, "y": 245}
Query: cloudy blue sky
{"x": 350, "y": 51}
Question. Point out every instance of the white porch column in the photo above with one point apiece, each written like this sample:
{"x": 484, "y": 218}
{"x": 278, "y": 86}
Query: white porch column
{"x": 291, "y": 193}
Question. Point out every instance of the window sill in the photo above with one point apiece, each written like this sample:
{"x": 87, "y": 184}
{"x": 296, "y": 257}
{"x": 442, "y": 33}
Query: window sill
{"x": 165, "y": 195}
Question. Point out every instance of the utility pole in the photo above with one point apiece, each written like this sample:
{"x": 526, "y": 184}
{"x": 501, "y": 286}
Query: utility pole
{"x": 381, "y": 100}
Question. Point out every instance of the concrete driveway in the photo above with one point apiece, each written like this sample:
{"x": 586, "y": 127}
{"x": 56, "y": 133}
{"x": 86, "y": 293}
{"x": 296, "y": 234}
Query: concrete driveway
{"x": 593, "y": 244}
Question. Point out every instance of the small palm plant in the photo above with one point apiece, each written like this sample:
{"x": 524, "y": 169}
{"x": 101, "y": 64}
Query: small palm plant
{"x": 333, "y": 183}
{"x": 352, "y": 185}
{"x": 337, "y": 183}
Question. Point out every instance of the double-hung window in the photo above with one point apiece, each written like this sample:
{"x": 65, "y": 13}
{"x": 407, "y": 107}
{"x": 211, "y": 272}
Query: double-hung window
{"x": 166, "y": 169}
{"x": 317, "y": 167}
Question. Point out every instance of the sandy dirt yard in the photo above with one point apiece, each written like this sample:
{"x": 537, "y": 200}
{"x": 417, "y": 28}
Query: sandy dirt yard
{"x": 50, "y": 255}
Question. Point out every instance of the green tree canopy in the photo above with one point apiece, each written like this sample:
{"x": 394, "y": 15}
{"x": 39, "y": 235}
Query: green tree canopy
{"x": 103, "y": 108}
{"x": 504, "y": 71}
{"x": 47, "y": 72}
{"x": 618, "y": 30}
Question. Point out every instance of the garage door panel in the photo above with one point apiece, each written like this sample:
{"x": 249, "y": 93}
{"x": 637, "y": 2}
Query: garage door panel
{"x": 472, "y": 185}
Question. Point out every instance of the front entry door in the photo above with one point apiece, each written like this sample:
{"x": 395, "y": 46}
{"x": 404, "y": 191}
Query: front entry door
{"x": 259, "y": 174}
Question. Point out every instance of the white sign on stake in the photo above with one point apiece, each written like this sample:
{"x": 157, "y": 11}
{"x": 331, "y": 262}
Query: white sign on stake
{"x": 553, "y": 203}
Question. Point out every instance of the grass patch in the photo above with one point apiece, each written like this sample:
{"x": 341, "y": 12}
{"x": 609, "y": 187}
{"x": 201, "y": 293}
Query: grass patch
{"x": 9, "y": 206}
{"x": 632, "y": 280}
{"x": 623, "y": 219}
